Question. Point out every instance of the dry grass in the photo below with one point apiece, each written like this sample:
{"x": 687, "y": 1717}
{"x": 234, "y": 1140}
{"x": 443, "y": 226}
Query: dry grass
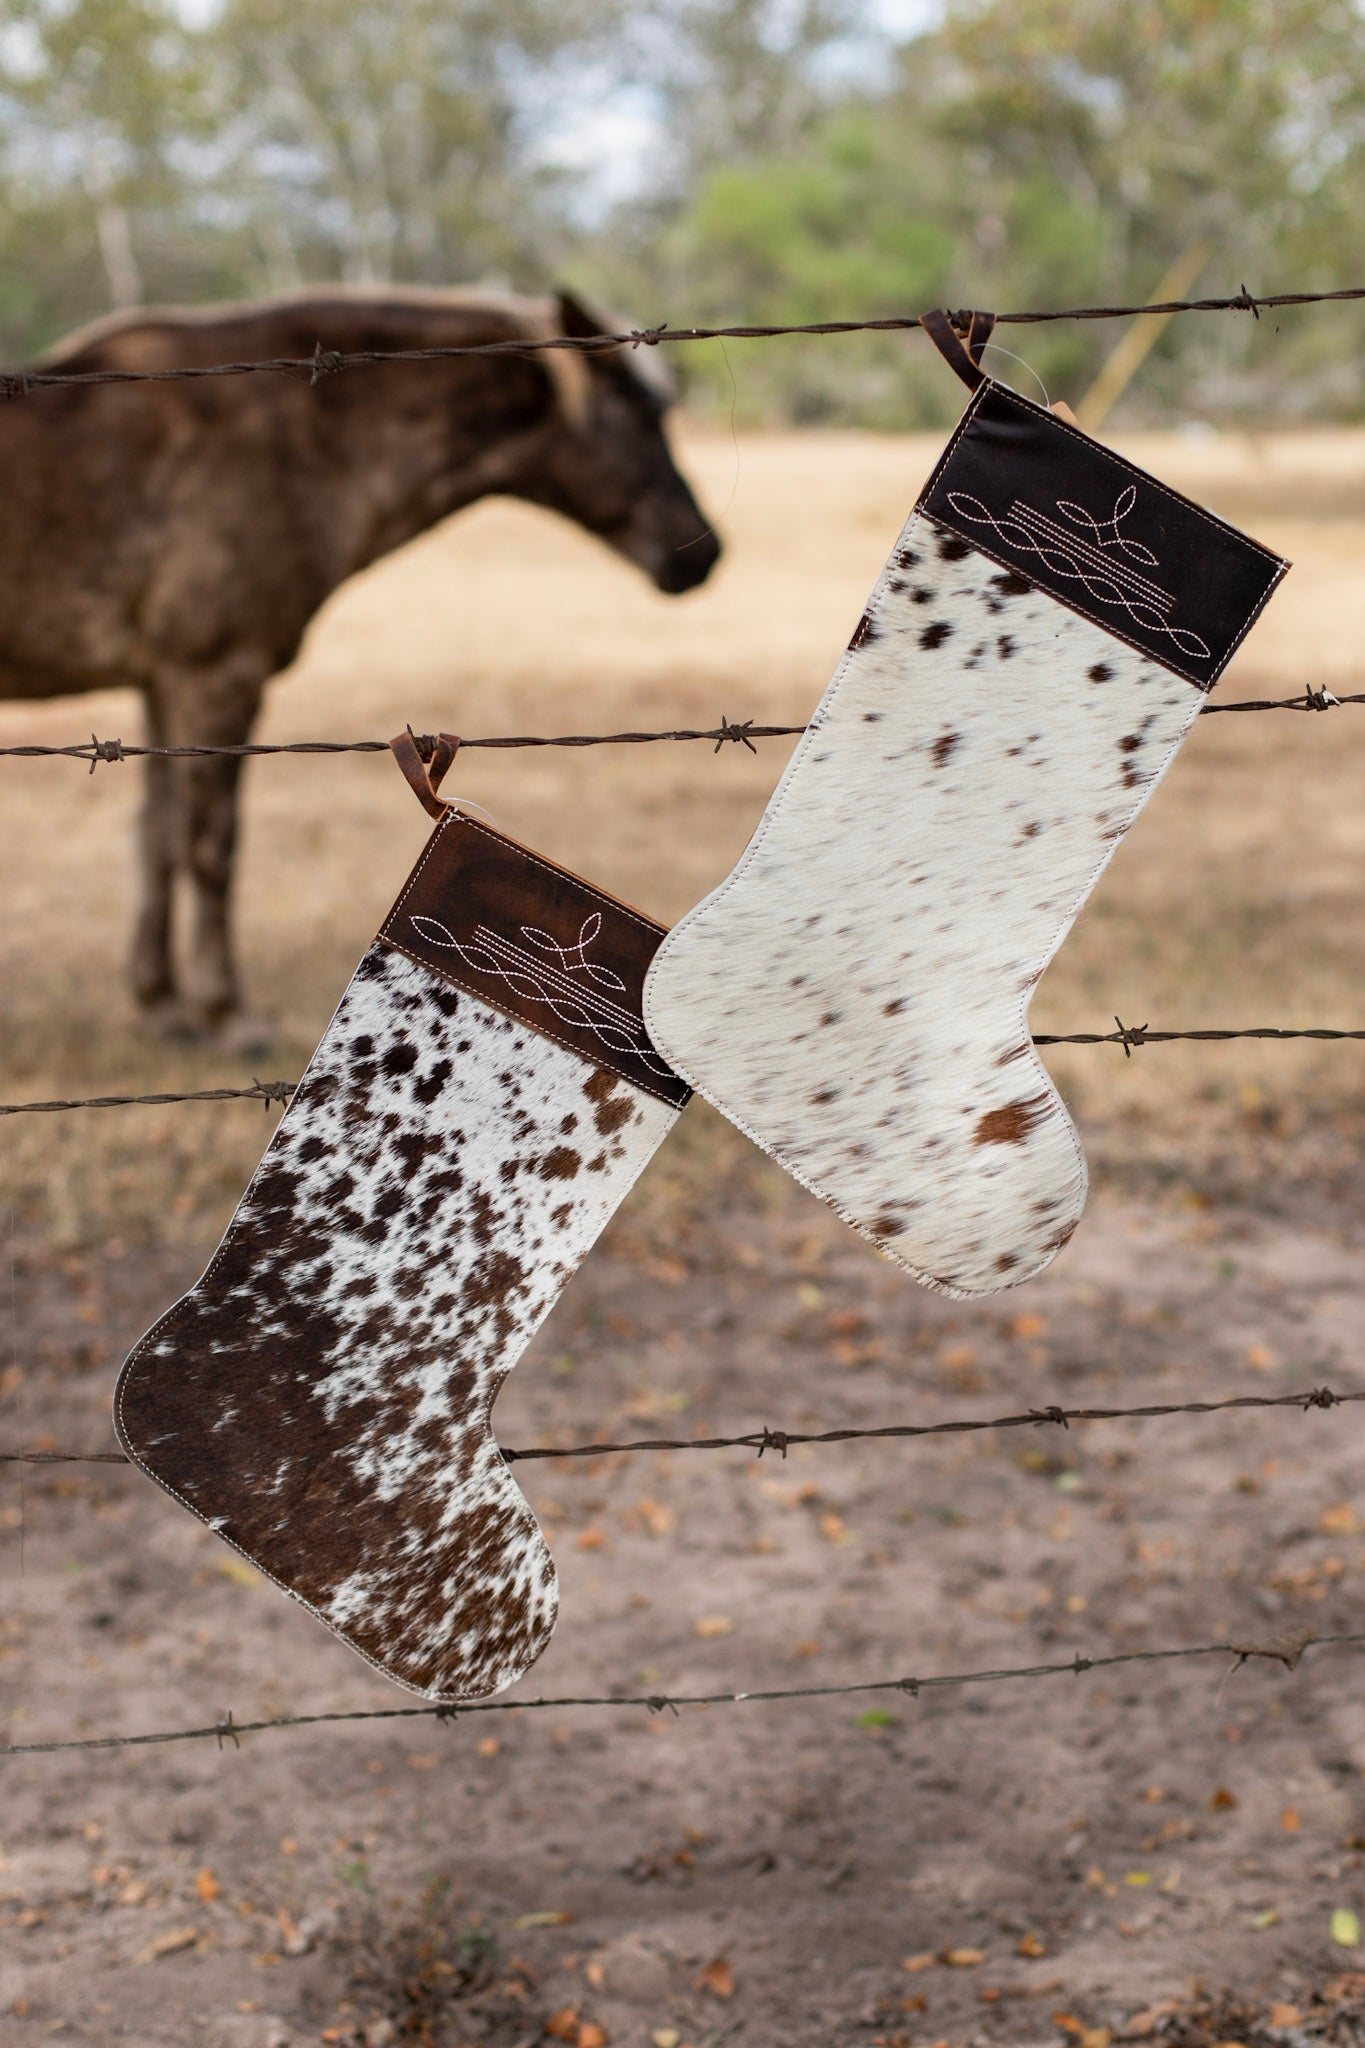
{"x": 1235, "y": 901}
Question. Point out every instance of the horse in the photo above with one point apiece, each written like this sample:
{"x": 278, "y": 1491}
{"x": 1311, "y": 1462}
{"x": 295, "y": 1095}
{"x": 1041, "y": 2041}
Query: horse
{"x": 177, "y": 538}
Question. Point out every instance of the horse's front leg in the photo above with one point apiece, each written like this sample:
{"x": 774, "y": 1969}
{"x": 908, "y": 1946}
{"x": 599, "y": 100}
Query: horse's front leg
{"x": 216, "y": 711}
{"x": 153, "y": 978}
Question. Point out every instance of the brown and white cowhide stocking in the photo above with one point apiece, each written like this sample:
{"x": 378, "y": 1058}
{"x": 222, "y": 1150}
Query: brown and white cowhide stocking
{"x": 481, "y": 1102}
{"x": 854, "y": 996}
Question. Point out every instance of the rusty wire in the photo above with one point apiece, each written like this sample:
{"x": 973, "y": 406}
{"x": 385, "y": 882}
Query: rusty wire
{"x": 1129, "y": 1036}
{"x": 738, "y": 732}
{"x": 21, "y": 383}
{"x": 1286, "y": 1650}
{"x": 782, "y": 1440}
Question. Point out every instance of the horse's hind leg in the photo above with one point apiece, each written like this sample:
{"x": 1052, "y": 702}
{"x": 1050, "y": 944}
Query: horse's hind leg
{"x": 153, "y": 977}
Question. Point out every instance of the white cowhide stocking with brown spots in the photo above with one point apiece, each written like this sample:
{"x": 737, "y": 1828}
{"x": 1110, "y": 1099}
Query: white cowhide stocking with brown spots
{"x": 483, "y": 1099}
{"x": 854, "y": 996}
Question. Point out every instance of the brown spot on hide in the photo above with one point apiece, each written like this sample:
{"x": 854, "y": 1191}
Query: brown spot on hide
{"x": 1004, "y": 646}
{"x": 935, "y": 634}
{"x": 951, "y": 549}
{"x": 1100, "y": 673}
{"x": 824, "y": 1095}
{"x": 894, "y": 1007}
{"x": 560, "y": 1164}
{"x": 943, "y": 747}
{"x": 888, "y": 1226}
{"x": 1010, "y": 1125}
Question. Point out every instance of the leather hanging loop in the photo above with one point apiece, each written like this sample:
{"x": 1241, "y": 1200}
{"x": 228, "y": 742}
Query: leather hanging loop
{"x": 942, "y": 329}
{"x": 425, "y": 777}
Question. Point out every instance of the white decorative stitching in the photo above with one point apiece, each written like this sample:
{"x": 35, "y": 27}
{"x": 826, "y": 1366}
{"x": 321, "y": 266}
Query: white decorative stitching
{"x": 1031, "y": 532}
{"x": 535, "y": 981}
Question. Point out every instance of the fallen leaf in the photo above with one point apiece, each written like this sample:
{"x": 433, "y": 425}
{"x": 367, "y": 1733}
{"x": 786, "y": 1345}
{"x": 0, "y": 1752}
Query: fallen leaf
{"x": 1222, "y": 1800}
{"x": 964, "y": 1958}
{"x": 1270, "y": 1918}
{"x": 591, "y": 1539}
{"x": 488, "y": 1745}
{"x": 594, "y": 1973}
{"x": 717, "y": 1977}
{"x": 1031, "y": 1945}
{"x": 832, "y": 1527}
{"x": 590, "y": 2035}
{"x": 876, "y": 1718}
{"x": 921, "y": 1962}
{"x": 526, "y": 1920}
{"x": 1342, "y": 1521}
{"x": 1285, "y": 2016}
{"x": 1137, "y": 1877}
{"x": 1290, "y": 1821}
{"x": 427, "y": 1761}
{"x": 1258, "y": 1358}
{"x": 1028, "y": 1326}
{"x": 713, "y": 1625}
{"x": 207, "y": 1886}
{"x": 665, "y": 2037}
{"x": 563, "y": 2025}
{"x": 239, "y": 1571}
{"x": 1346, "y": 1928}
{"x": 168, "y": 1944}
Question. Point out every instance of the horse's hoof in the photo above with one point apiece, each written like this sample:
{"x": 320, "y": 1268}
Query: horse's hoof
{"x": 167, "y": 1017}
{"x": 242, "y": 1035}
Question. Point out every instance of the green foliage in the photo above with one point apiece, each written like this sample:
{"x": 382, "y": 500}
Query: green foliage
{"x": 1020, "y": 152}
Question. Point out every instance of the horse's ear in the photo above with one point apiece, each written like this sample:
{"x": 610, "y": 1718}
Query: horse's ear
{"x": 578, "y": 319}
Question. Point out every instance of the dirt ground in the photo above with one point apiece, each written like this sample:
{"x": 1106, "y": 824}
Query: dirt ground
{"x": 1168, "y": 1852}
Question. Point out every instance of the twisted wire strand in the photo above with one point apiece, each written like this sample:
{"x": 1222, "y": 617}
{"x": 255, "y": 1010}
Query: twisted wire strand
{"x": 738, "y": 732}
{"x": 21, "y": 383}
{"x": 1130, "y": 1036}
{"x": 1287, "y": 1650}
{"x": 782, "y": 1440}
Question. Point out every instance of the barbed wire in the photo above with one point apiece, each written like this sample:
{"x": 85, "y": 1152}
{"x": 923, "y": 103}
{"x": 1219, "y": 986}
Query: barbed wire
{"x": 782, "y": 1440}
{"x": 738, "y": 732}
{"x": 1287, "y": 1650}
{"x": 1130, "y": 1036}
{"x": 20, "y": 383}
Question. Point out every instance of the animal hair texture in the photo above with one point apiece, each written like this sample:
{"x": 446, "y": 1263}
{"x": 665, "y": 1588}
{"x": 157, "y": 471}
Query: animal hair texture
{"x": 855, "y": 994}
{"x": 481, "y": 1102}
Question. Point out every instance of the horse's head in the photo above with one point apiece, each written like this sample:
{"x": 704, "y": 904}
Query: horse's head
{"x": 606, "y": 463}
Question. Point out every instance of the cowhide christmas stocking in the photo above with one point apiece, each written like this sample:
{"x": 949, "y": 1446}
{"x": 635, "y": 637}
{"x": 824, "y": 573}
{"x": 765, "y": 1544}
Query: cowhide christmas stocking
{"x": 854, "y": 996}
{"x": 481, "y": 1102}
